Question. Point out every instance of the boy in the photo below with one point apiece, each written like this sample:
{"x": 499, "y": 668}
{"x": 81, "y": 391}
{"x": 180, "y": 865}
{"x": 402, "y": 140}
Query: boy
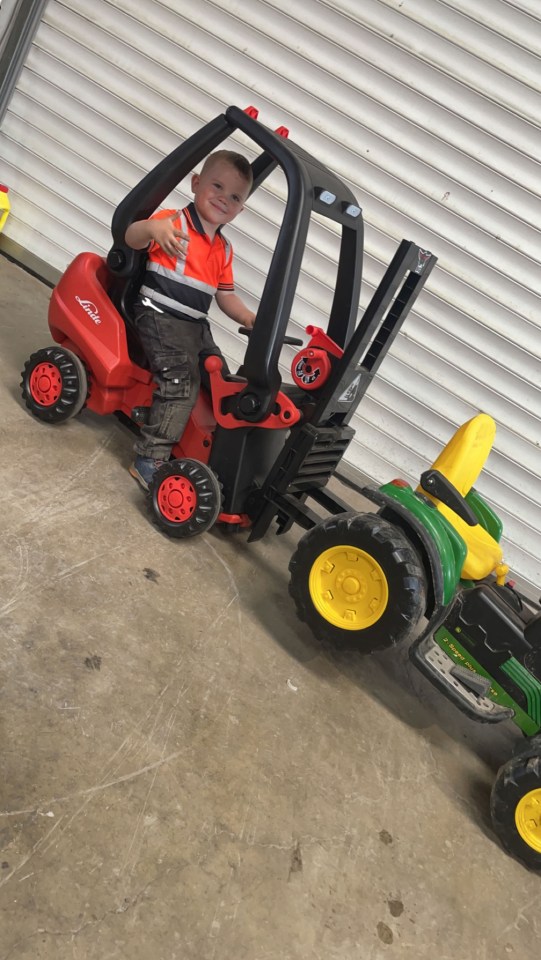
{"x": 189, "y": 262}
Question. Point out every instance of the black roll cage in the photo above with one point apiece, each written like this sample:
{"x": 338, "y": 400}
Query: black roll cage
{"x": 311, "y": 188}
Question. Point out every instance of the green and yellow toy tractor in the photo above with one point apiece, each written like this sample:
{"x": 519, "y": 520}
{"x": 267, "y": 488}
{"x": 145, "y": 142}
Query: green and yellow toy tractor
{"x": 434, "y": 552}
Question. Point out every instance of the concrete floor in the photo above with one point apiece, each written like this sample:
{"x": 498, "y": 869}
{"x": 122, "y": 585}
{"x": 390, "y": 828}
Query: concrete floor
{"x": 186, "y": 773}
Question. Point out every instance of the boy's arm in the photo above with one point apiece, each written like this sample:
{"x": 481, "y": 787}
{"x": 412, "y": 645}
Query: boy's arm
{"x": 161, "y": 230}
{"x": 235, "y": 309}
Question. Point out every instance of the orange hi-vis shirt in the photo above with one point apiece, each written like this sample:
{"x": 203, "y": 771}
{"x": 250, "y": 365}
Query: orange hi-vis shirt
{"x": 185, "y": 288}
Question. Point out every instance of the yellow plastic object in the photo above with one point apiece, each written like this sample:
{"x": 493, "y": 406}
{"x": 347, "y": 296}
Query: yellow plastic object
{"x": 348, "y": 587}
{"x": 4, "y": 205}
{"x": 484, "y": 553}
{"x": 463, "y": 458}
{"x": 461, "y": 462}
{"x": 528, "y": 818}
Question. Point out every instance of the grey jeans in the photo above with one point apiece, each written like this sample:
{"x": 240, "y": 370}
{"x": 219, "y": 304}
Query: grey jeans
{"x": 174, "y": 349}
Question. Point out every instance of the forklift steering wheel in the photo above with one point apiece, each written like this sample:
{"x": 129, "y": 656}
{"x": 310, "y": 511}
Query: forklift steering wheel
{"x": 293, "y": 341}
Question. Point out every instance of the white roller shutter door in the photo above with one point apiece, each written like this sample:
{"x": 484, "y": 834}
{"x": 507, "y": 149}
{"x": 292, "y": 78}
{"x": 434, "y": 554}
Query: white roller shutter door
{"x": 428, "y": 109}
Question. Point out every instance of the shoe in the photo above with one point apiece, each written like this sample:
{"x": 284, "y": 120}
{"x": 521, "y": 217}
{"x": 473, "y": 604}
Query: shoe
{"x": 143, "y": 469}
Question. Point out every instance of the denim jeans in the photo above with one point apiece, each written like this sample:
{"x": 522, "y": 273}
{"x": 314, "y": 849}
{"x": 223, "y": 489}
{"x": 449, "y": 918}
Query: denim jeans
{"x": 174, "y": 349}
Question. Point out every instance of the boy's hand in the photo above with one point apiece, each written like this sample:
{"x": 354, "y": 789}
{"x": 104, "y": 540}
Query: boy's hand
{"x": 248, "y": 320}
{"x": 172, "y": 240}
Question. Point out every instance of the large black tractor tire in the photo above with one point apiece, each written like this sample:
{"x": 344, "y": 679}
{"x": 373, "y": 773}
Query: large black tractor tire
{"x": 358, "y": 580}
{"x": 515, "y": 805}
{"x": 185, "y": 498}
{"x": 54, "y": 384}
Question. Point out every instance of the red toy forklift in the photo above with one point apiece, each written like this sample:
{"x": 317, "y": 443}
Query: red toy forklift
{"x": 255, "y": 449}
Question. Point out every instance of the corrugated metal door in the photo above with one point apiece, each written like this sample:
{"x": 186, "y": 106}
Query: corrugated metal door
{"x": 429, "y": 109}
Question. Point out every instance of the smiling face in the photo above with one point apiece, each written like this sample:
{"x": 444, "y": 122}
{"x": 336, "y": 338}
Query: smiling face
{"x": 220, "y": 192}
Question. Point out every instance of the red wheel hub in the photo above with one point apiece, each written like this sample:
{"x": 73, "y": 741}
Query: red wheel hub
{"x": 45, "y": 384}
{"x": 311, "y": 368}
{"x": 177, "y": 499}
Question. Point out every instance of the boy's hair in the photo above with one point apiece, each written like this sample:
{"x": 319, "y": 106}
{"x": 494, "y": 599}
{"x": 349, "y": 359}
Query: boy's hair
{"x": 237, "y": 160}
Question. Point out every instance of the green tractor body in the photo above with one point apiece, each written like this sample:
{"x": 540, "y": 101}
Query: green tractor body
{"x": 483, "y": 637}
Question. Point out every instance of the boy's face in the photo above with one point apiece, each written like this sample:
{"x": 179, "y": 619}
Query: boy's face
{"x": 219, "y": 194}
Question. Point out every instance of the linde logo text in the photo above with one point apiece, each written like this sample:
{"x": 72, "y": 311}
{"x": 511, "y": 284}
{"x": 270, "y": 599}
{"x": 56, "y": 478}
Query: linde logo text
{"x": 90, "y": 308}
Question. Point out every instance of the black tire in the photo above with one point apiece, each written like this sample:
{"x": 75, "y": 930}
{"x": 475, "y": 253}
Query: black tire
{"x": 515, "y": 805}
{"x": 54, "y": 384}
{"x": 528, "y": 746}
{"x": 356, "y": 578}
{"x": 185, "y": 498}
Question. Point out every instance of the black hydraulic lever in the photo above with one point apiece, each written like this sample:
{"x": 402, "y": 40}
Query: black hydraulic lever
{"x": 437, "y": 485}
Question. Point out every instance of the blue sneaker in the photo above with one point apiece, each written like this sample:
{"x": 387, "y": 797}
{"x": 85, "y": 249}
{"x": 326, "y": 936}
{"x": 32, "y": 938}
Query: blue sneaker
{"x": 143, "y": 469}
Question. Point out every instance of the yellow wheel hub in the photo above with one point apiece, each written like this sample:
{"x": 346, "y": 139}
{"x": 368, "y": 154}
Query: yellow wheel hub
{"x": 528, "y": 818}
{"x": 348, "y": 587}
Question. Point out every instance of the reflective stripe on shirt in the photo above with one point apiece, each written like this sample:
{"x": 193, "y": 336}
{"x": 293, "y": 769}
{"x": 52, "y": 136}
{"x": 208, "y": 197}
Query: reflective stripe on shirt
{"x": 186, "y": 286}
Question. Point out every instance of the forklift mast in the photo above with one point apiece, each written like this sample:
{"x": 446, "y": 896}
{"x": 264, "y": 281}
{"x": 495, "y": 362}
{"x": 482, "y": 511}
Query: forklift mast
{"x": 317, "y": 443}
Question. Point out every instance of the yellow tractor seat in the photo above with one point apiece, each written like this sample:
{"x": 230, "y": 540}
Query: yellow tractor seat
{"x": 461, "y": 462}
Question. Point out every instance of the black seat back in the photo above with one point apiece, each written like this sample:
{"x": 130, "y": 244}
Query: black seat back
{"x": 123, "y": 293}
